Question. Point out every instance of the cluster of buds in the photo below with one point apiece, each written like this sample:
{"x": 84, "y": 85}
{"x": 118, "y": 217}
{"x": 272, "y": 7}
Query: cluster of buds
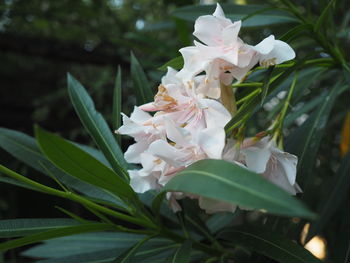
{"x": 190, "y": 114}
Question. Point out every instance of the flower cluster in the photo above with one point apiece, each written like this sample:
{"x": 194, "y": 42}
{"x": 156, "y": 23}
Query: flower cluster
{"x": 189, "y": 115}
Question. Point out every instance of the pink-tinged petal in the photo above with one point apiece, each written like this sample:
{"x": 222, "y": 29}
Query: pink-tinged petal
{"x": 216, "y": 115}
{"x": 148, "y": 107}
{"x": 230, "y": 33}
{"x": 219, "y": 12}
{"x": 142, "y": 182}
{"x": 289, "y": 163}
{"x": 208, "y": 29}
{"x": 239, "y": 73}
{"x": 276, "y": 174}
{"x": 212, "y": 142}
{"x": 256, "y": 158}
{"x": 168, "y": 153}
{"x": 132, "y": 155}
{"x": 213, "y": 206}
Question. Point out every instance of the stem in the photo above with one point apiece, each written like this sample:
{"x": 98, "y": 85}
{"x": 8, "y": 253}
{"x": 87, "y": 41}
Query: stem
{"x": 76, "y": 198}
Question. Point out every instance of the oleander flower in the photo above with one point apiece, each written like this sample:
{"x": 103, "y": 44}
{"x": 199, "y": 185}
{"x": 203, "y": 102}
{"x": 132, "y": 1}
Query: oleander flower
{"x": 224, "y": 56}
{"x": 264, "y": 157}
{"x": 185, "y": 104}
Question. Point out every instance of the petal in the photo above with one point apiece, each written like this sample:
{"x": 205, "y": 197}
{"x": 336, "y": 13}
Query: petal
{"x": 273, "y": 51}
{"x": 176, "y": 134}
{"x": 230, "y": 33}
{"x": 212, "y": 142}
{"x": 132, "y": 155}
{"x": 194, "y": 63}
{"x": 265, "y": 46}
{"x": 142, "y": 182}
{"x": 139, "y": 115}
{"x": 208, "y": 29}
{"x": 170, "y": 77}
{"x": 216, "y": 115}
{"x": 256, "y": 158}
{"x": 166, "y": 152}
{"x": 219, "y": 12}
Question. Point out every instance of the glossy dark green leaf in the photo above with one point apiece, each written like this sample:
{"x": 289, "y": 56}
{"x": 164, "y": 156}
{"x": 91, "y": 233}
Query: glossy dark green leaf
{"x": 81, "y": 165}
{"x": 24, "y": 227}
{"x": 175, "y": 63}
{"x": 337, "y": 193}
{"x": 24, "y": 148}
{"x": 129, "y": 255}
{"x": 96, "y": 126}
{"x": 269, "y": 244}
{"x": 100, "y": 256}
{"x": 228, "y": 182}
{"x": 263, "y": 15}
{"x": 117, "y": 103}
{"x": 157, "y": 202}
{"x": 266, "y": 83}
{"x": 295, "y": 32}
{"x": 305, "y": 141}
{"x": 323, "y": 17}
{"x": 140, "y": 83}
{"x": 221, "y": 220}
{"x": 84, "y": 243}
{"x": 64, "y": 231}
{"x": 183, "y": 253}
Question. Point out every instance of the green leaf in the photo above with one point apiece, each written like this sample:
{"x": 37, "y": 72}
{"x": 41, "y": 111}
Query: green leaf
{"x": 183, "y": 253}
{"x": 140, "y": 83}
{"x": 221, "y": 220}
{"x": 266, "y": 83}
{"x": 305, "y": 141}
{"x": 269, "y": 244}
{"x": 72, "y": 160}
{"x": 84, "y": 243}
{"x": 24, "y": 227}
{"x": 253, "y": 15}
{"x": 24, "y": 148}
{"x": 175, "y": 63}
{"x": 96, "y": 126}
{"x": 117, "y": 103}
{"x": 323, "y": 17}
{"x": 338, "y": 191}
{"x": 295, "y": 32}
{"x": 64, "y": 231}
{"x": 157, "y": 202}
{"x": 129, "y": 255}
{"x": 228, "y": 182}
{"x": 100, "y": 256}
{"x": 291, "y": 117}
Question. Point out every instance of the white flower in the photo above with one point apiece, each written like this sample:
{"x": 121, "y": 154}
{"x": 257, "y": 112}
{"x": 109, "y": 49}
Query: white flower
{"x": 263, "y": 157}
{"x": 224, "y": 56}
{"x": 184, "y": 103}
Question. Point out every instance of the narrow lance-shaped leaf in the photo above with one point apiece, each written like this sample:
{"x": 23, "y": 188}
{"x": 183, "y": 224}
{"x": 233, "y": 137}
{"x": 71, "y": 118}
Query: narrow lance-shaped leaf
{"x": 117, "y": 103}
{"x": 72, "y": 160}
{"x": 305, "y": 141}
{"x": 25, "y": 148}
{"x": 340, "y": 187}
{"x": 129, "y": 254}
{"x": 24, "y": 227}
{"x": 140, "y": 83}
{"x": 269, "y": 244}
{"x": 64, "y": 231}
{"x": 175, "y": 63}
{"x": 97, "y": 127}
{"x": 183, "y": 253}
{"x": 254, "y": 15}
{"x": 228, "y": 182}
